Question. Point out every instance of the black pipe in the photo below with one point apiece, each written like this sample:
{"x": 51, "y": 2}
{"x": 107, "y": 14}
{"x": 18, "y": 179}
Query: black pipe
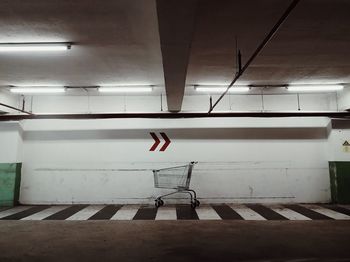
{"x": 239, "y": 61}
{"x": 344, "y": 115}
{"x": 258, "y": 50}
{"x": 17, "y": 109}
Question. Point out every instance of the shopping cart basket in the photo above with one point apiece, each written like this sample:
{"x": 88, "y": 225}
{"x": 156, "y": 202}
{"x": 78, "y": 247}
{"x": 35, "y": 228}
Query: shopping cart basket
{"x": 177, "y": 178}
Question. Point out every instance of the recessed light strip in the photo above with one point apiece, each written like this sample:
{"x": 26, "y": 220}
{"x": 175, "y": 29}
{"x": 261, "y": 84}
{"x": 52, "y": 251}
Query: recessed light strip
{"x": 218, "y": 89}
{"x": 38, "y": 90}
{"x": 34, "y": 47}
{"x": 314, "y": 88}
{"x": 125, "y": 89}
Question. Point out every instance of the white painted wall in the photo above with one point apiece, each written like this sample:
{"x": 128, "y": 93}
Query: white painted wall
{"x": 10, "y": 142}
{"x": 107, "y": 161}
{"x": 239, "y": 160}
{"x": 152, "y": 103}
{"x": 268, "y": 102}
{"x": 9, "y": 99}
{"x": 93, "y": 102}
{"x": 344, "y": 98}
{"x": 339, "y": 134}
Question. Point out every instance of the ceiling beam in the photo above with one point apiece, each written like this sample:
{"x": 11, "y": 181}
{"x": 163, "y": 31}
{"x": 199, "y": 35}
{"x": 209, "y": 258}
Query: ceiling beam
{"x": 176, "y": 21}
{"x": 334, "y": 114}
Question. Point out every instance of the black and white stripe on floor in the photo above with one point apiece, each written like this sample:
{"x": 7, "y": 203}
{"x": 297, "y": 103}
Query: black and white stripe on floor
{"x": 178, "y": 212}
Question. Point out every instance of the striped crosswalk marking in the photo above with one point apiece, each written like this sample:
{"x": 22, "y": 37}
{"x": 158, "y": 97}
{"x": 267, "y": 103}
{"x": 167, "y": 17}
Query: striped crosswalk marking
{"x": 328, "y": 212}
{"x": 246, "y": 213}
{"x": 345, "y": 206}
{"x": 288, "y": 213}
{"x": 9, "y": 212}
{"x": 45, "y": 213}
{"x": 65, "y": 213}
{"x": 226, "y": 213}
{"x": 178, "y": 212}
{"x": 206, "y": 212}
{"x": 338, "y": 209}
{"x": 266, "y": 212}
{"x": 307, "y": 212}
{"x": 127, "y": 212}
{"x": 86, "y": 213}
{"x": 25, "y": 213}
{"x": 146, "y": 213}
{"x": 106, "y": 213}
{"x": 166, "y": 213}
{"x": 185, "y": 212}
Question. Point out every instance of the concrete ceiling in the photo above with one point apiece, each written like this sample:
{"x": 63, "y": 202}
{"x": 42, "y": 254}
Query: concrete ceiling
{"x": 147, "y": 41}
{"x": 311, "y": 46}
{"x": 116, "y": 42}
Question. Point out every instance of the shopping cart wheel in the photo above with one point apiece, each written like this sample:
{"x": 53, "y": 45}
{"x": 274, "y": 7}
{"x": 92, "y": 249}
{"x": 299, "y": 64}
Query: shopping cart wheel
{"x": 159, "y": 202}
{"x": 195, "y": 203}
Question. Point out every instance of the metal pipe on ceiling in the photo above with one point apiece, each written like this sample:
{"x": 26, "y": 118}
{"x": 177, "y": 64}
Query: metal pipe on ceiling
{"x": 258, "y": 50}
{"x": 17, "y": 109}
{"x": 343, "y": 115}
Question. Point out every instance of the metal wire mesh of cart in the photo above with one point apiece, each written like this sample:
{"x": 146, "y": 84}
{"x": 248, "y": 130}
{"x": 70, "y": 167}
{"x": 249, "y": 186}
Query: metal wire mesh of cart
{"x": 174, "y": 177}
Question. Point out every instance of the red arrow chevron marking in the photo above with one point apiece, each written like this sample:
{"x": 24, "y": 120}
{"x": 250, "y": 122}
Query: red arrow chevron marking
{"x": 167, "y": 142}
{"x": 156, "y": 141}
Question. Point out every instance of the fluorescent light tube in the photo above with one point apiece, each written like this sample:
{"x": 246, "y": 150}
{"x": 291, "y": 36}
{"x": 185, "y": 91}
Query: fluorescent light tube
{"x": 314, "y": 88}
{"x": 37, "y": 90}
{"x": 34, "y": 47}
{"x": 124, "y": 89}
{"x": 217, "y": 89}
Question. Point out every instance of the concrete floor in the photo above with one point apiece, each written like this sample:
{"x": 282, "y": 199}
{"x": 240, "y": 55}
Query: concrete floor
{"x": 174, "y": 241}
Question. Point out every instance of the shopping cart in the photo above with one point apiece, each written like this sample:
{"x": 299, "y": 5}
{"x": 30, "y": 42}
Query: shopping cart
{"x": 177, "y": 178}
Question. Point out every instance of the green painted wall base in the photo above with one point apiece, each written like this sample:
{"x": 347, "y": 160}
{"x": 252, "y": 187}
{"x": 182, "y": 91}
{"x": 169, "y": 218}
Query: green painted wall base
{"x": 340, "y": 181}
{"x": 10, "y": 180}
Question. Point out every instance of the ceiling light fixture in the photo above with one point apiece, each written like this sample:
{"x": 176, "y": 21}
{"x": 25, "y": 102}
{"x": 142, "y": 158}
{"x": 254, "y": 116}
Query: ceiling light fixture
{"x": 125, "y": 89}
{"x": 314, "y": 88}
{"x": 38, "y": 90}
{"x": 220, "y": 89}
{"x": 34, "y": 47}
